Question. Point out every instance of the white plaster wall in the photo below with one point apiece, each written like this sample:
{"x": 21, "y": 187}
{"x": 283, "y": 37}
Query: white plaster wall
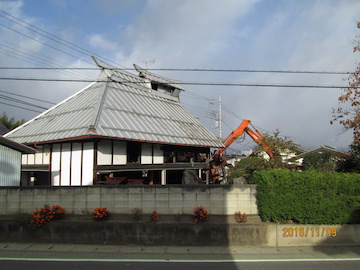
{"x": 119, "y": 151}
{"x": 72, "y": 164}
{"x": 65, "y": 164}
{"x": 76, "y": 164}
{"x": 104, "y": 152}
{"x": 146, "y": 153}
{"x": 158, "y": 154}
{"x": 88, "y": 164}
{"x": 55, "y": 165}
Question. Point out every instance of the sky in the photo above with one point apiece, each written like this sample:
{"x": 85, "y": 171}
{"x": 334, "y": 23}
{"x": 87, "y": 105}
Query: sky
{"x": 257, "y": 35}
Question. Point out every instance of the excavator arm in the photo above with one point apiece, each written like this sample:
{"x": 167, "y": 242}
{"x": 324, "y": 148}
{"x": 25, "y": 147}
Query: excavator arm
{"x": 218, "y": 162}
{"x": 243, "y": 127}
{"x": 236, "y": 133}
{"x": 257, "y": 137}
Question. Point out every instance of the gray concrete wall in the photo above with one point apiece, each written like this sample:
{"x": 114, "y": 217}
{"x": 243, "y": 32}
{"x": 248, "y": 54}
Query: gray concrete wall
{"x": 135, "y": 232}
{"x": 170, "y": 199}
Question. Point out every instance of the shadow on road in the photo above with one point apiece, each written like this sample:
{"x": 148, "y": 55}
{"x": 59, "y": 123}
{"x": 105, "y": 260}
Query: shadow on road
{"x": 347, "y": 238}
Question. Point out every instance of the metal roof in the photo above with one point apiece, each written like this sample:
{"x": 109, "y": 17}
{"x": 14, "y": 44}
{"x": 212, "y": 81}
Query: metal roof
{"x": 16, "y": 146}
{"x": 156, "y": 78}
{"x": 325, "y": 148}
{"x": 118, "y": 105}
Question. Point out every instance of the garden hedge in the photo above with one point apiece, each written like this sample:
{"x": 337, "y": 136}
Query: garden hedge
{"x": 308, "y": 197}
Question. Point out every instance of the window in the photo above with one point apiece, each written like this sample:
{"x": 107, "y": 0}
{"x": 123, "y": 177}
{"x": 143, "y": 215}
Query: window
{"x": 154, "y": 86}
{"x": 133, "y": 152}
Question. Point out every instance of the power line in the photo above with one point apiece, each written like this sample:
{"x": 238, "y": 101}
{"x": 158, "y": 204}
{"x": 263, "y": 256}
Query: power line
{"x": 55, "y": 68}
{"x": 249, "y": 70}
{"x": 53, "y": 37}
{"x": 197, "y": 96}
{"x": 36, "y": 99}
{"x": 183, "y": 83}
{"x": 22, "y": 54}
{"x": 200, "y": 70}
{"x": 21, "y": 102}
{"x": 226, "y": 109}
{"x": 48, "y": 45}
{"x": 12, "y": 105}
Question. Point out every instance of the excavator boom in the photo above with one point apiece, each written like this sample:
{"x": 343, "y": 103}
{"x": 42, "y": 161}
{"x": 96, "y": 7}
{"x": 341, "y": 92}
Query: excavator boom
{"x": 243, "y": 127}
{"x": 218, "y": 163}
{"x": 236, "y": 133}
{"x": 256, "y": 135}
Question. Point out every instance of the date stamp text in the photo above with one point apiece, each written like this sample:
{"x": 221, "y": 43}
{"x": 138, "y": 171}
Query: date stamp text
{"x": 309, "y": 232}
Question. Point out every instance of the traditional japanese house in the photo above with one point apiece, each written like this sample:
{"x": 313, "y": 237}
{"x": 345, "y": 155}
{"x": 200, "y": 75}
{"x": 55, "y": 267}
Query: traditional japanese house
{"x": 123, "y": 128}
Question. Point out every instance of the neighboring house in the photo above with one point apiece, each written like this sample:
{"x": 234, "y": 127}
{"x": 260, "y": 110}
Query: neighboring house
{"x": 234, "y": 159}
{"x": 287, "y": 154}
{"x": 324, "y": 149}
{"x": 10, "y": 161}
{"x": 122, "y": 126}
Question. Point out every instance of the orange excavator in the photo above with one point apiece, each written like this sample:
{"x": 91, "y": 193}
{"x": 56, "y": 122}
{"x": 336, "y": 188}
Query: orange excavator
{"x": 218, "y": 163}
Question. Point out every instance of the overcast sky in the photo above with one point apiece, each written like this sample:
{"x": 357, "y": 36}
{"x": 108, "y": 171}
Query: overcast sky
{"x": 285, "y": 35}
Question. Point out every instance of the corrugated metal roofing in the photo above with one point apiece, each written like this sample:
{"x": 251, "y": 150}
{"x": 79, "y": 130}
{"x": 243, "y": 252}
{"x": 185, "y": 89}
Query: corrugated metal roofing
{"x": 16, "y": 146}
{"x": 10, "y": 166}
{"x": 125, "y": 108}
{"x": 156, "y": 78}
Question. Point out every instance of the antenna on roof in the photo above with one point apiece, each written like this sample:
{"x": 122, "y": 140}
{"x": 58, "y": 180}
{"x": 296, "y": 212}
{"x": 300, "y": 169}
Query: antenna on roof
{"x": 150, "y": 62}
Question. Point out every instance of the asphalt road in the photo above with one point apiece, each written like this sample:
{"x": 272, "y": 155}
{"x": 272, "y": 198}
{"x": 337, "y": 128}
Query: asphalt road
{"x": 173, "y": 265}
{"x": 38, "y": 256}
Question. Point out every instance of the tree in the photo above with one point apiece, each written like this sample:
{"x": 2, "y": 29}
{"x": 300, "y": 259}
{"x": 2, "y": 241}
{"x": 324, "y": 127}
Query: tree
{"x": 248, "y": 166}
{"x": 279, "y": 147}
{"x": 251, "y": 164}
{"x": 10, "y": 123}
{"x": 348, "y": 111}
{"x": 352, "y": 164}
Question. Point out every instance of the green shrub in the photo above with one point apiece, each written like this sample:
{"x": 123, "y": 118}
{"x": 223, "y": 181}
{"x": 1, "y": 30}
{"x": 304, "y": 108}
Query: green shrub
{"x": 249, "y": 165}
{"x": 234, "y": 174}
{"x": 308, "y": 197}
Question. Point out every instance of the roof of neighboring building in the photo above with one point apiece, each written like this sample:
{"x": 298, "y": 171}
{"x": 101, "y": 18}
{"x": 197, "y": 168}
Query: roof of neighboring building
{"x": 16, "y": 146}
{"x": 325, "y": 148}
{"x": 118, "y": 105}
{"x": 3, "y": 129}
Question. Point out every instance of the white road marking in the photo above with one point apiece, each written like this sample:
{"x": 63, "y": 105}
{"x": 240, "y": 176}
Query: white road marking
{"x": 178, "y": 260}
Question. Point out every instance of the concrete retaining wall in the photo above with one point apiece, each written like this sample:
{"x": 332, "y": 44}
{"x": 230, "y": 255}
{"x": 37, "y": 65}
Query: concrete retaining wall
{"x": 177, "y": 233}
{"x": 137, "y": 233}
{"x": 170, "y": 199}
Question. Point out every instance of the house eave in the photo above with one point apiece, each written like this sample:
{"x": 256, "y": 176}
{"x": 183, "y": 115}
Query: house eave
{"x": 99, "y": 137}
{"x": 16, "y": 146}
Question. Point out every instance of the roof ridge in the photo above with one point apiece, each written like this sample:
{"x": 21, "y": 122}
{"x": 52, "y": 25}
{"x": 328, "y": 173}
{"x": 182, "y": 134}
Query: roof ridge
{"x": 98, "y": 108}
{"x": 106, "y": 66}
{"x": 157, "y": 78}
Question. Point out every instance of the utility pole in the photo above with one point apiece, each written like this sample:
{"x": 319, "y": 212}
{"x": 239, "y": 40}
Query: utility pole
{"x": 220, "y": 119}
{"x": 217, "y": 116}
